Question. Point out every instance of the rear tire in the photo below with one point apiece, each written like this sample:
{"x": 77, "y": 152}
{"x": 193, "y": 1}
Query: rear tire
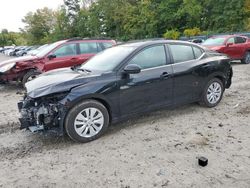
{"x": 86, "y": 121}
{"x": 212, "y": 93}
{"x": 32, "y": 74}
{"x": 246, "y": 59}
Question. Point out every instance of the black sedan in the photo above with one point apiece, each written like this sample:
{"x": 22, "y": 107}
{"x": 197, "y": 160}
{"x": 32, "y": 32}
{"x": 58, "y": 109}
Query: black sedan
{"x": 121, "y": 82}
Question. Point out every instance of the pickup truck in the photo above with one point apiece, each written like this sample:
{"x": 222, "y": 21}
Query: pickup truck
{"x": 237, "y": 47}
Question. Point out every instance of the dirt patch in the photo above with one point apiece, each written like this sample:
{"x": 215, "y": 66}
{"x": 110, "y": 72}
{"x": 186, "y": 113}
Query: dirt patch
{"x": 244, "y": 110}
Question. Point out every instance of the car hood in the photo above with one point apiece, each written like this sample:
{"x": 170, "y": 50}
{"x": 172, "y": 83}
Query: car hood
{"x": 9, "y": 64}
{"x": 57, "y": 81}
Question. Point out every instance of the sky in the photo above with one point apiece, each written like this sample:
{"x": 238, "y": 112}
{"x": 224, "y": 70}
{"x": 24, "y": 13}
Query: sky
{"x": 12, "y": 11}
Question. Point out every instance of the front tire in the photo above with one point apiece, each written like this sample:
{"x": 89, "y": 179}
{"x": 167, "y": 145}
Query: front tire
{"x": 246, "y": 59}
{"x": 86, "y": 121}
{"x": 31, "y": 75}
{"x": 212, "y": 93}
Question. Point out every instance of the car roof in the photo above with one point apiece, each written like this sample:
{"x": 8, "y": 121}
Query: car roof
{"x": 78, "y": 39}
{"x": 145, "y": 43}
{"x": 228, "y": 36}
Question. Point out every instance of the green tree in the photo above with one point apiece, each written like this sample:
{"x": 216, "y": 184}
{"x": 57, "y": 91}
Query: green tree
{"x": 11, "y": 38}
{"x": 107, "y": 18}
{"x": 192, "y": 32}
{"x": 135, "y": 19}
{"x": 72, "y": 8}
{"x": 141, "y": 21}
{"x": 247, "y": 13}
{"x": 61, "y": 27}
{"x": 223, "y": 16}
{"x": 168, "y": 17}
{"x": 190, "y": 11}
{"x": 39, "y": 25}
{"x": 82, "y": 23}
{"x": 172, "y": 34}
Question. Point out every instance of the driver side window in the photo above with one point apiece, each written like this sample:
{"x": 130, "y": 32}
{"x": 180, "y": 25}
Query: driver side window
{"x": 66, "y": 50}
{"x": 150, "y": 57}
{"x": 231, "y": 40}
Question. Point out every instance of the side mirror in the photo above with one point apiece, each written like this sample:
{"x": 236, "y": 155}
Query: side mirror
{"x": 132, "y": 69}
{"x": 51, "y": 56}
{"x": 229, "y": 44}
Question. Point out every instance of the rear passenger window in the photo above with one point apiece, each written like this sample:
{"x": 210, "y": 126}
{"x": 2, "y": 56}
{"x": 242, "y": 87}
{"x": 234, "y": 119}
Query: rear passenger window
{"x": 240, "y": 40}
{"x": 104, "y": 45}
{"x": 88, "y": 48}
{"x": 181, "y": 53}
{"x": 197, "y": 52}
{"x": 107, "y": 44}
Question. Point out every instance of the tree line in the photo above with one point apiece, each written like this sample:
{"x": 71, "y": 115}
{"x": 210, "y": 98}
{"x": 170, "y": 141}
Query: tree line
{"x": 131, "y": 19}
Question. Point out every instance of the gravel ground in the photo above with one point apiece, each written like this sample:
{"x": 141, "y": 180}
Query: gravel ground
{"x": 157, "y": 150}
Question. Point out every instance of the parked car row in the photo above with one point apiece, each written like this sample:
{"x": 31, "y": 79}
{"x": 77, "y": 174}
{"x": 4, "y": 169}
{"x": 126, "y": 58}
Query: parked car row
{"x": 5, "y": 49}
{"x": 17, "y": 50}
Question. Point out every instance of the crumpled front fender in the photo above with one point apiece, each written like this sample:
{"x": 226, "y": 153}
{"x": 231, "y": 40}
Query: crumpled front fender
{"x": 6, "y": 67}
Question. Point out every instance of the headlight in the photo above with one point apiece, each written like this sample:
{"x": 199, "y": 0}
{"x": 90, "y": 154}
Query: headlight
{"x": 6, "y": 67}
{"x": 56, "y": 96}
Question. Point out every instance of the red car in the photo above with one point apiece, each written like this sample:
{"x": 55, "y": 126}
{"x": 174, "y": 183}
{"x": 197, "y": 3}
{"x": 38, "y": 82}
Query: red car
{"x": 235, "y": 46}
{"x": 66, "y": 53}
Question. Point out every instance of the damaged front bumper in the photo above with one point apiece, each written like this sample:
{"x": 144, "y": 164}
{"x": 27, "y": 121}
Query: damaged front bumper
{"x": 42, "y": 115}
{"x": 11, "y": 76}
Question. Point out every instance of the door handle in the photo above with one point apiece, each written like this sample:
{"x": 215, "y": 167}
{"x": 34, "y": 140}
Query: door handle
{"x": 165, "y": 75}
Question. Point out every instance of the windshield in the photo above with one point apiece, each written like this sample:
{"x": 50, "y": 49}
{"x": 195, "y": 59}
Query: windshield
{"x": 218, "y": 41}
{"x": 47, "y": 49}
{"x": 107, "y": 60}
{"x": 36, "y": 51}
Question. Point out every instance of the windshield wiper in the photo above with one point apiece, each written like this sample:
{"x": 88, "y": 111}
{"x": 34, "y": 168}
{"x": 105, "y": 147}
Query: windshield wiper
{"x": 77, "y": 68}
{"x": 83, "y": 70}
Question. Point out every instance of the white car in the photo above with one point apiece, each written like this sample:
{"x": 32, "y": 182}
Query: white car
{"x": 8, "y": 49}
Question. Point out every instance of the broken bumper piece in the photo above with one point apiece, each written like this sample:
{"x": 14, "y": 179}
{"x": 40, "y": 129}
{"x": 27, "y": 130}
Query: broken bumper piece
{"x": 38, "y": 116}
{"x": 36, "y": 128}
{"x": 27, "y": 124}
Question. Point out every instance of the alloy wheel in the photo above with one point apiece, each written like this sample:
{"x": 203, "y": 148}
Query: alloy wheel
{"x": 89, "y": 122}
{"x": 214, "y": 93}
